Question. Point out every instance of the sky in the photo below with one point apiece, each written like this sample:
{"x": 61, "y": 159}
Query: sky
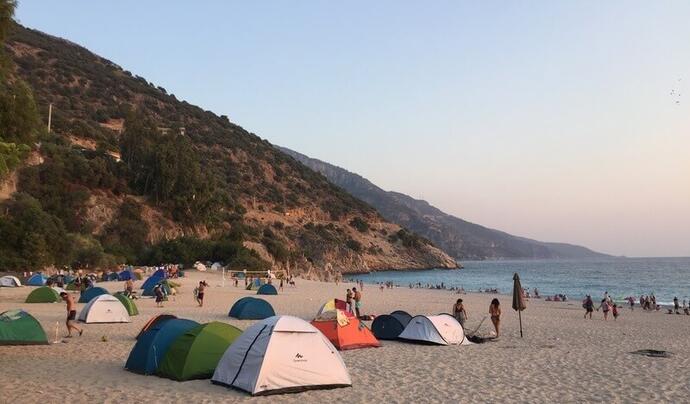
{"x": 554, "y": 120}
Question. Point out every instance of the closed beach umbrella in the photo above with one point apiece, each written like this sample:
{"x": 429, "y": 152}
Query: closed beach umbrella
{"x": 518, "y": 301}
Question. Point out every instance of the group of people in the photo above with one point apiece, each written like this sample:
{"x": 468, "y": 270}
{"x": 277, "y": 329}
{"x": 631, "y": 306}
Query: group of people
{"x": 353, "y": 299}
{"x": 607, "y": 305}
{"x": 460, "y": 314}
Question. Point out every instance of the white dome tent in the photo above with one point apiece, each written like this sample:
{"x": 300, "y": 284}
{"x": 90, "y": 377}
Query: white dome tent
{"x": 104, "y": 309}
{"x": 10, "y": 282}
{"x": 442, "y": 329}
{"x": 281, "y": 354}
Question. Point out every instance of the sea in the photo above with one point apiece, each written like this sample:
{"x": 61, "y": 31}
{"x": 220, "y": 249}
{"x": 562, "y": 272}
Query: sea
{"x": 666, "y": 278}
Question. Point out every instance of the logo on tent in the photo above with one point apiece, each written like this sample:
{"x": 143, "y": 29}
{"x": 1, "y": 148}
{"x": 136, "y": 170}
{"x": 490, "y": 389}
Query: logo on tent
{"x": 299, "y": 358}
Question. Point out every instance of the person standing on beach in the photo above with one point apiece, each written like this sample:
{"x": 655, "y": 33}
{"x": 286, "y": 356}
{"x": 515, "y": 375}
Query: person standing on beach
{"x": 200, "y": 293}
{"x": 495, "y": 313}
{"x": 459, "y": 312}
{"x": 281, "y": 285}
{"x": 614, "y": 311}
{"x": 71, "y": 314}
{"x": 158, "y": 292}
{"x": 605, "y": 307}
{"x": 358, "y": 301}
{"x": 348, "y": 300}
{"x": 588, "y": 305}
{"x": 676, "y": 306}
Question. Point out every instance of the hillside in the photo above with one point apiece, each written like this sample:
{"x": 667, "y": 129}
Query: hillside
{"x": 131, "y": 173}
{"x": 459, "y": 238}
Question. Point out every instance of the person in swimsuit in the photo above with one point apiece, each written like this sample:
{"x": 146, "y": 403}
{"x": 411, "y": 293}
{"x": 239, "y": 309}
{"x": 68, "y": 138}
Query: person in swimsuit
{"x": 71, "y": 315}
{"x": 348, "y": 301}
{"x": 358, "y": 301}
{"x": 200, "y": 293}
{"x": 495, "y": 313}
{"x": 588, "y": 305}
{"x": 605, "y": 307}
{"x": 459, "y": 312}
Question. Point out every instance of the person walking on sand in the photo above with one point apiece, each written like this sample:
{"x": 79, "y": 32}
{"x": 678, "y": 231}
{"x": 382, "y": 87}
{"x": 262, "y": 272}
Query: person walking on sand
{"x": 358, "y": 301}
{"x": 459, "y": 312}
{"x": 614, "y": 311}
{"x": 495, "y": 313}
{"x": 348, "y": 300}
{"x": 129, "y": 288}
{"x": 158, "y": 292}
{"x": 676, "y": 306}
{"x": 281, "y": 285}
{"x": 200, "y": 293}
{"x": 588, "y": 305}
{"x": 71, "y": 315}
{"x": 605, "y": 307}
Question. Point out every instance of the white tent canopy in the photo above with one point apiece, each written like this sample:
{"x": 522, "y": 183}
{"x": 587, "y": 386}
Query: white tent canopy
{"x": 281, "y": 354}
{"x": 104, "y": 309}
{"x": 199, "y": 266}
{"x": 442, "y": 329}
{"x": 10, "y": 282}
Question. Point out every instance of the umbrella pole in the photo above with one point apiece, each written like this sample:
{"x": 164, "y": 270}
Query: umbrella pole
{"x": 520, "y": 317}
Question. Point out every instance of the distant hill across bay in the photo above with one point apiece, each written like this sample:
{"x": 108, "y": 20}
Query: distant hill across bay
{"x": 459, "y": 238}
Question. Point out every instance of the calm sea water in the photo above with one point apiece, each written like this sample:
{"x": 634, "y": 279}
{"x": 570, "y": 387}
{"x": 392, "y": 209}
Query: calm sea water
{"x": 621, "y": 277}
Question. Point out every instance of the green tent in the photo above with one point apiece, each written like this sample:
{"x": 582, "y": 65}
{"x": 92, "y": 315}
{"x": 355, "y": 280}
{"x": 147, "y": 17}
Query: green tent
{"x": 44, "y": 294}
{"x": 195, "y": 354}
{"x": 128, "y": 303}
{"x": 18, "y": 327}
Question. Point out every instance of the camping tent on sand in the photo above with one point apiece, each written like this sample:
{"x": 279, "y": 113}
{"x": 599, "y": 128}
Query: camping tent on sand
{"x": 147, "y": 354}
{"x": 267, "y": 289}
{"x": 196, "y": 352}
{"x": 104, "y": 309}
{"x": 10, "y": 282}
{"x": 44, "y": 294}
{"x": 251, "y": 308}
{"x": 155, "y": 320}
{"x": 18, "y": 327}
{"x": 132, "y": 309}
{"x": 281, "y": 354}
{"x": 36, "y": 279}
{"x": 442, "y": 329}
{"x": 88, "y": 294}
{"x": 345, "y": 331}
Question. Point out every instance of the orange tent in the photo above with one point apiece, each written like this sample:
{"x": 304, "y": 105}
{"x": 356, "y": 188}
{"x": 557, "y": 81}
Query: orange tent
{"x": 345, "y": 332}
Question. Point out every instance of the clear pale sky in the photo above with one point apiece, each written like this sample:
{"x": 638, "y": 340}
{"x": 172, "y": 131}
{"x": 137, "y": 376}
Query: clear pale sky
{"x": 548, "y": 119}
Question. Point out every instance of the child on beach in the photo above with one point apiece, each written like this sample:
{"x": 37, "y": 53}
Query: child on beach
{"x": 614, "y": 311}
{"x": 588, "y": 305}
{"x": 495, "y": 313}
{"x": 459, "y": 312}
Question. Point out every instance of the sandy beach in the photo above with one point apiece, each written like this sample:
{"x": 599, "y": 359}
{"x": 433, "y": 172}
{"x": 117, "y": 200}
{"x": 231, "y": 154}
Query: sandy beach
{"x": 561, "y": 358}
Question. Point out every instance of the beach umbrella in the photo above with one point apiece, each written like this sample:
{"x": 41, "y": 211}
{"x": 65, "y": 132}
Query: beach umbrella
{"x": 518, "y": 301}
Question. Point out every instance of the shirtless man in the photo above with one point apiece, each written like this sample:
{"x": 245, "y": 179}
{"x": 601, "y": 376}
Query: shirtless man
{"x": 200, "y": 293}
{"x": 71, "y": 314}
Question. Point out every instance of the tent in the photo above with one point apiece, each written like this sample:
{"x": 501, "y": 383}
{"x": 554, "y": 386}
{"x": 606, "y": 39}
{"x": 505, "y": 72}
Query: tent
{"x": 199, "y": 266}
{"x": 196, "y": 352}
{"x": 154, "y": 279}
{"x": 164, "y": 283}
{"x": 155, "y": 320}
{"x": 110, "y": 276}
{"x": 126, "y": 275}
{"x": 36, "y": 279}
{"x": 10, "y": 282}
{"x": 267, "y": 289}
{"x": 44, "y": 294}
{"x": 216, "y": 266}
{"x": 88, "y": 294}
{"x": 333, "y": 304}
{"x": 281, "y": 354}
{"x": 251, "y": 308}
{"x": 147, "y": 354}
{"x": 345, "y": 332}
{"x": 18, "y": 327}
{"x": 104, "y": 309}
{"x": 402, "y": 316}
{"x": 257, "y": 282}
{"x": 387, "y": 327}
{"x": 442, "y": 329}
{"x": 132, "y": 309}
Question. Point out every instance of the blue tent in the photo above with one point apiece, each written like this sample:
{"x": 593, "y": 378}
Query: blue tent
{"x": 152, "y": 345}
{"x": 36, "y": 279}
{"x": 90, "y": 293}
{"x": 149, "y": 291}
{"x": 402, "y": 316}
{"x": 251, "y": 308}
{"x": 267, "y": 289}
{"x": 387, "y": 327}
{"x": 154, "y": 279}
{"x": 126, "y": 275}
{"x": 257, "y": 282}
{"x": 112, "y": 276}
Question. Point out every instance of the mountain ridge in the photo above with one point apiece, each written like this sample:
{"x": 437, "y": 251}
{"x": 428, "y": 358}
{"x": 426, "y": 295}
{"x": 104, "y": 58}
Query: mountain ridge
{"x": 459, "y": 238}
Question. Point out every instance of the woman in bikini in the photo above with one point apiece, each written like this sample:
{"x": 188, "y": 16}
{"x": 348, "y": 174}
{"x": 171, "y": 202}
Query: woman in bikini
{"x": 495, "y": 313}
{"x": 459, "y": 312}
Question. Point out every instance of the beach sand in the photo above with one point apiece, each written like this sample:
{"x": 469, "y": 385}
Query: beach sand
{"x": 562, "y": 357}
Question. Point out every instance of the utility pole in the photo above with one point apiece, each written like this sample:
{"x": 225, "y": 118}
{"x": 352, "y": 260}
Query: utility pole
{"x": 50, "y": 116}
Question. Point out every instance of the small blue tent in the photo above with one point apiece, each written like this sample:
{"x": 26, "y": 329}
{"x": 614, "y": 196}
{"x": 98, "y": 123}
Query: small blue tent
{"x": 154, "y": 279}
{"x": 402, "y": 316}
{"x": 251, "y": 308}
{"x": 149, "y": 291}
{"x": 386, "y": 327}
{"x": 257, "y": 282}
{"x": 112, "y": 276}
{"x": 126, "y": 275}
{"x": 90, "y": 293}
{"x": 152, "y": 345}
{"x": 36, "y": 279}
{"x": 267, "y": 289}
